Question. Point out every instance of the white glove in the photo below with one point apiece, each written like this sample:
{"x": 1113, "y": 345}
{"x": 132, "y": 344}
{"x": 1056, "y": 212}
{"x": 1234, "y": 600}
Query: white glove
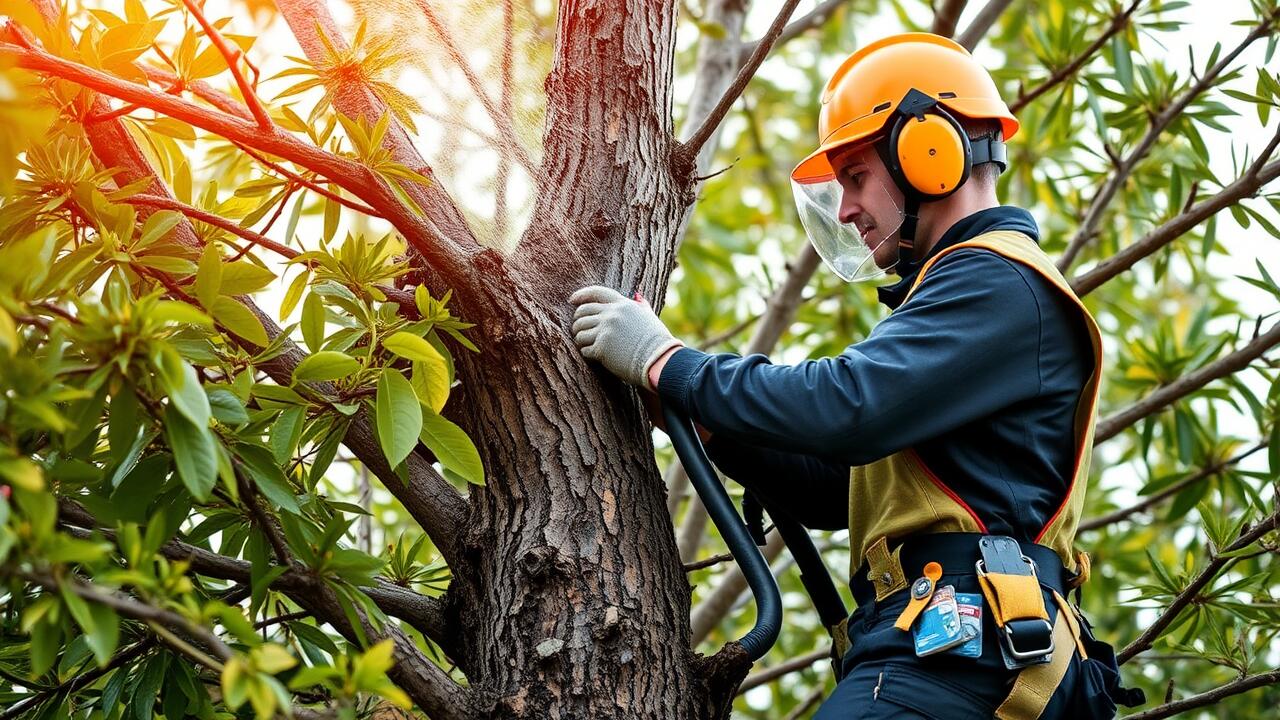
{"x": 625, "y": 335}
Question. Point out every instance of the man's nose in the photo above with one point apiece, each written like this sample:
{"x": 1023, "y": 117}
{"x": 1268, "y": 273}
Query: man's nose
{"x": 849, "y": 209}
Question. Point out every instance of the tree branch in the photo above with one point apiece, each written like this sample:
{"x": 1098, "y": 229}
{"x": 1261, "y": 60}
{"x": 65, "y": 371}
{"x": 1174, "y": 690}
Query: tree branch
{"x": 200, "y": 89}
{"x": 232, "y": 56}
{"x": 946, "y": 17}
{"x": 1115, "y": 423}
{"x": 816, "y": 17}
{"x": 309, "y": 20}
{"x": 1102, "y": 200}
{"x": 217, "y": 221}
{"x": 1156, "y": 498}
{"x": 690, "y": 148}
{"x": 78, "y": 681}
{"x": 1210, "y": 697}
{"x": 134, "y": 610}
{"x": 1246, "y": 186}
{"x": 1118, "y": 23}
{"x": 981, "y": 23}
{"x": 1217, "y": 563}
{"x": 424, "y": 613}
{"x": 352, "y": 176}
{"x": 796, "y": 664}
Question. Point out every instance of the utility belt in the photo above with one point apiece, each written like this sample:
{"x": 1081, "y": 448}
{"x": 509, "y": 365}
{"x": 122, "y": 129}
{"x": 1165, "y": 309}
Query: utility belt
{"x": 1012, "y": 577}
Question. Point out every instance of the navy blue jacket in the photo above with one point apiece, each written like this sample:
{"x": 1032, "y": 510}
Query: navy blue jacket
{"x": 980, "y": 372}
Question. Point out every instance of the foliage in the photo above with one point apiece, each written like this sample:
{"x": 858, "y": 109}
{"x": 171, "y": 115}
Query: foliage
{"x": 179, "y": 533}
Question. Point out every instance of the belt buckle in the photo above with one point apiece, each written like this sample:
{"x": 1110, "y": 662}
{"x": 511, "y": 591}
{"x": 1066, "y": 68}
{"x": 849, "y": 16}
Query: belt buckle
{"x": 1004, "y": 555}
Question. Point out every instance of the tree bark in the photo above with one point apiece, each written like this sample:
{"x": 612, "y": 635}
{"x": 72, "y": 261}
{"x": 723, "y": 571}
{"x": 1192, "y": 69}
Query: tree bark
{"x": 570, "y": 589}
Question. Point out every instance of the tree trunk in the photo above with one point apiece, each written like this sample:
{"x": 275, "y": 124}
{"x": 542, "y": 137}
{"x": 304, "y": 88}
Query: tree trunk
{"x": 572, "y": 601}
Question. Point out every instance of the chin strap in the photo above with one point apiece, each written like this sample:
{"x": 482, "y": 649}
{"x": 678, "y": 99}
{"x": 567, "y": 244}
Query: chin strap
{"x": 907, "y": 236}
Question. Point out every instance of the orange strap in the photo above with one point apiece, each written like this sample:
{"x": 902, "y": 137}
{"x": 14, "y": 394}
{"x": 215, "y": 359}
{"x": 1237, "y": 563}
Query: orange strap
{"x": 921, "y": 592}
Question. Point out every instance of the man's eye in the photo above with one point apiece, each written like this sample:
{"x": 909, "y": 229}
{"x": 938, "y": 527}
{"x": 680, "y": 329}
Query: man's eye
{"x": 855, "y": 178}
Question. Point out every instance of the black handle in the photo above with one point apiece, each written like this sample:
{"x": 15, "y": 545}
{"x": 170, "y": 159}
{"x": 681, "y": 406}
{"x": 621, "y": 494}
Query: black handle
{"x": 725, "y": 516}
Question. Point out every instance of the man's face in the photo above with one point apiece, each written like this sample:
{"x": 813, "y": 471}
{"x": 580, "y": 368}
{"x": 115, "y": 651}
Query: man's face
{"x": 870, "y": 201}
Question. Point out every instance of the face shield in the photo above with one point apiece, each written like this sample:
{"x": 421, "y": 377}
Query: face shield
{"x": 863, "y": 249}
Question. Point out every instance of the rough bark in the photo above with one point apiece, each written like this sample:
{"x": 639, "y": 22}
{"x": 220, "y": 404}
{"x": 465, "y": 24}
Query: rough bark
{"x": 573, "y": 597}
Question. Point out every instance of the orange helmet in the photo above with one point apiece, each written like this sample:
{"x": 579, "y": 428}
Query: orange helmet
{"x": 864, "y": 91}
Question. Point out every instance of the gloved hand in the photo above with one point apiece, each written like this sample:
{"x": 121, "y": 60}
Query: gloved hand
{"x": 625, "y": 335}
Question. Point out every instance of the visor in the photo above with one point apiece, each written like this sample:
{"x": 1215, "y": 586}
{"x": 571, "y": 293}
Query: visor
{"x": 849, "y": 252}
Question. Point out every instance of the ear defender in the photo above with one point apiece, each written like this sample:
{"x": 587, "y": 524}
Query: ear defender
{"x": 929, "y": 154}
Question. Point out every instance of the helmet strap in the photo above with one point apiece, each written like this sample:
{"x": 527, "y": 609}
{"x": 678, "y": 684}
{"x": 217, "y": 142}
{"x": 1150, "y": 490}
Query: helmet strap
{"x": 907, "y": 235}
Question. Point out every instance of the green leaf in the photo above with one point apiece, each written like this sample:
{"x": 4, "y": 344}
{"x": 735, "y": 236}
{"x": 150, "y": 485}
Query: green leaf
{"x": 313, "y": 322}
{"x": 238, "y": 319}
{"x": 399, "y": 416}
{"x": 412, "y": 347}
{"x": 452, "y": 447}
{"x": 325, "y": 365}
{"x": 243, "y": 277}
{"x": 286, "y": 433}
{"x": 157, "y": 225}
{"x": 268, "y": 476}
{"x": 227, "y": 408}
{"x": 209, "y": 276}
{"x": 194, "y": 452}
{"x": 182, "y": 385}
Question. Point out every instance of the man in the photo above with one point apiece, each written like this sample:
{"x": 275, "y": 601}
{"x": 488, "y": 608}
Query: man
{"x": 953, "y": 441}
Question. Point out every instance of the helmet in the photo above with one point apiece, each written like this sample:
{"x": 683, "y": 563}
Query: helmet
{"x": 897, "y": 94}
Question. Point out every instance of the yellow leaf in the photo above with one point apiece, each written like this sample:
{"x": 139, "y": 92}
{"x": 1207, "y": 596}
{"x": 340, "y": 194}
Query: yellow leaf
{"x": 431, "y": 384}
{"x": 8, "y": 333}
{"x": 271, "y": 658}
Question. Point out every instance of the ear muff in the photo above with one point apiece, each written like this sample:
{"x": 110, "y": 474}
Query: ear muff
{"x": 926, "y": 151}
{"x": 932, "y": 154}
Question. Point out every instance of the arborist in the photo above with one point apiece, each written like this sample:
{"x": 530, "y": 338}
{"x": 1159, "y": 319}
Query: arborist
{"x": 954, "y": 441}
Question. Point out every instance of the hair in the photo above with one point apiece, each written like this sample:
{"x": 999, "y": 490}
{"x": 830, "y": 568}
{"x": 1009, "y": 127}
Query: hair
{"x": 977, "y": 129}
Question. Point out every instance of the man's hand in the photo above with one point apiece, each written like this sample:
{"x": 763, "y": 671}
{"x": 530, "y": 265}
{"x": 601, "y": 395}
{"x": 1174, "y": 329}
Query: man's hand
{"x": 625, "y": 335}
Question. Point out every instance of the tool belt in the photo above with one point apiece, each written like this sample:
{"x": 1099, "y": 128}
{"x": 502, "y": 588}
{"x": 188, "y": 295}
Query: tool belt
{"x": 1011, "y": 576}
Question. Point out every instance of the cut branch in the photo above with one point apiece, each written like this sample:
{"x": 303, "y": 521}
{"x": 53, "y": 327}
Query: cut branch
{"x": 694, "y": 144}
{"x": 1118, "y": 23}
{"x": 1102, "y": 200}
{"x": 1219, "y": 561}
{"x": 1114, "y": 424}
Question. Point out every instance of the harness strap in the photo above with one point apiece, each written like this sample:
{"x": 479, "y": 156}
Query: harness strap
{"x": 1036, "y": 684}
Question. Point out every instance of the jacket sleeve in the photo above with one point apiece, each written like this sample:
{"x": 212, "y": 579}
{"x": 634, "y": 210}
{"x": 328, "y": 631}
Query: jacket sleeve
{"x": 965, "y": 345}
{"x": 812, "y": 490}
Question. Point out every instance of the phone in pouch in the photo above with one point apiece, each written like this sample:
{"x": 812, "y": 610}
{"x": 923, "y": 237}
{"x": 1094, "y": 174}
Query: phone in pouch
{"x": 970, "y": 608}
{"x": 939, "y": 627}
